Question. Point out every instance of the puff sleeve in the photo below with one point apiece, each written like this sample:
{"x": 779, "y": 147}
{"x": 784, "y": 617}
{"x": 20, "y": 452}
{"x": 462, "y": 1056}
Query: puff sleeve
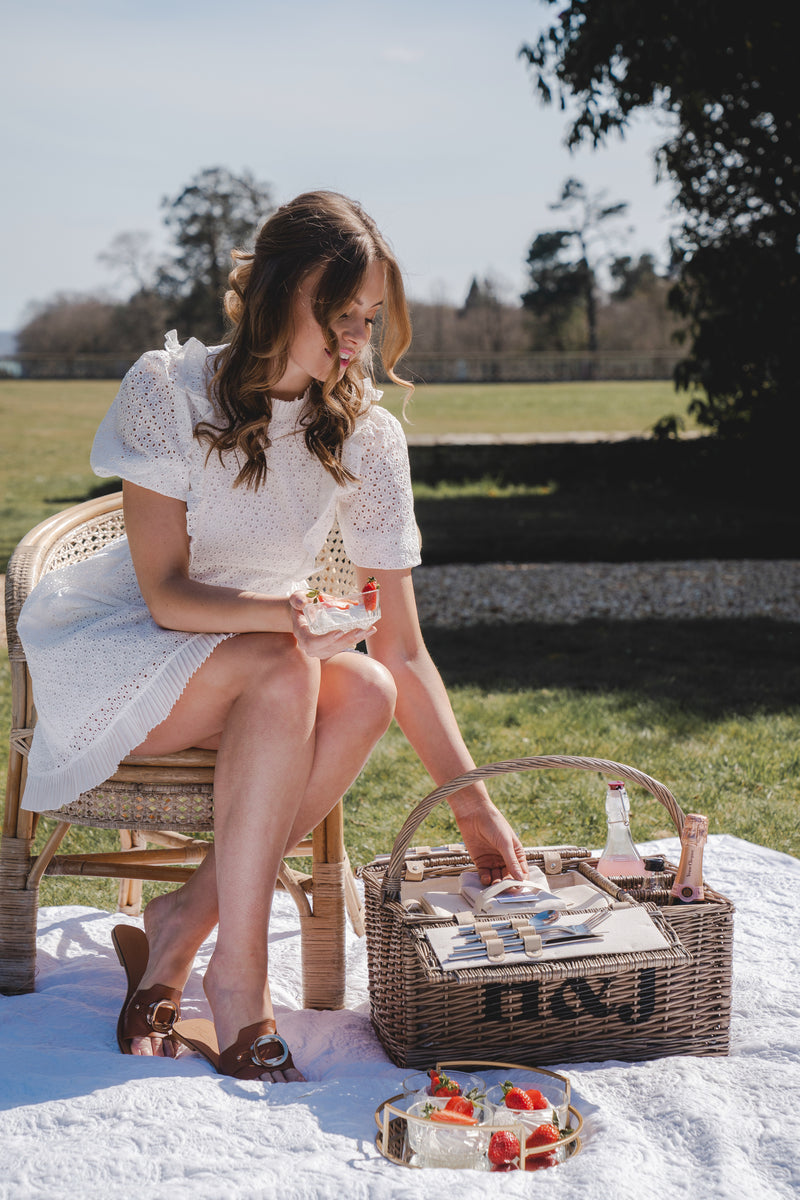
{"x": 146, "y": 436}
{"x": 376, "y": 516}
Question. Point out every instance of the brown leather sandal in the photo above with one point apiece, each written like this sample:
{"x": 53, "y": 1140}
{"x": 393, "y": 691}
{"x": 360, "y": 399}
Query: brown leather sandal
{"x": 257, "y": 1049}
{"x": 150, "y": 1011}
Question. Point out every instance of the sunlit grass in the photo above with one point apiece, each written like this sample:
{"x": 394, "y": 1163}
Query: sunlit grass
{"x": 628, "y": 406}
{"x": 688, "y": 705}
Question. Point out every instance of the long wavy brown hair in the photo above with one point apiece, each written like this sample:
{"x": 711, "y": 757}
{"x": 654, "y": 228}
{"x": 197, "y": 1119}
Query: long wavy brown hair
{"x": 316, "y": 230}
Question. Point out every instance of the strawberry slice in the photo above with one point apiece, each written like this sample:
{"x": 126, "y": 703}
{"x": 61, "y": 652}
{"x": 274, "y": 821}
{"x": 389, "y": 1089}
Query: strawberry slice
{"x": 370, "y": 593}
{"x": 445, "y": 1117}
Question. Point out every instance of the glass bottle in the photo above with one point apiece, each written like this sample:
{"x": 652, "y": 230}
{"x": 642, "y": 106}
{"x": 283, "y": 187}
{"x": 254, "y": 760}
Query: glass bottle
{"x": 688, "y": 885}
{"x": 620, "y": 856}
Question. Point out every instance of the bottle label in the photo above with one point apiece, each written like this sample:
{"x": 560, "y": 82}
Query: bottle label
{"x": 688, "y": 885}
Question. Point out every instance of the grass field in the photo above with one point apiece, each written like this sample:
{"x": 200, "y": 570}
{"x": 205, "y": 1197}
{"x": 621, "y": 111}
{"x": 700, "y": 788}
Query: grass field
{"x": 606, "y": 406}
{"x": 48, "y": 427}
{"x": 710, "y": 708}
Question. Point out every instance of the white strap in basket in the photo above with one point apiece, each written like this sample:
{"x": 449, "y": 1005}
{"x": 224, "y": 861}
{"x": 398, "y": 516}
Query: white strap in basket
{"x": 534, "y": 899}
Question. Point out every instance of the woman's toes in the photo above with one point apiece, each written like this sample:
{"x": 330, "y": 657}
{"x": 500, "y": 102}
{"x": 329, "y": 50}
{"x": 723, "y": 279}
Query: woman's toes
{"x": 153, "y": 1047}
{"x": 290, "y": 1075}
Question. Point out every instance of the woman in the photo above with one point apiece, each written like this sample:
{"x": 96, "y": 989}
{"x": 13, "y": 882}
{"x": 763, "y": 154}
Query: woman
{"x": 190, "y": 631}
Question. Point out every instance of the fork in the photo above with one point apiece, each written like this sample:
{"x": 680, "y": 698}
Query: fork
{"x": 592, "y": 921}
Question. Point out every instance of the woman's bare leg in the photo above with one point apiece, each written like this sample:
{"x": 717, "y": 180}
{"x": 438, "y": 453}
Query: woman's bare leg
{"x": 294, "y": 736}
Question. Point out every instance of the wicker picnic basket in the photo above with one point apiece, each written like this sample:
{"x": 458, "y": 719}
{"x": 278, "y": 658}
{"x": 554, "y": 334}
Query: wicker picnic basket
{"x": 628, "y": 1007}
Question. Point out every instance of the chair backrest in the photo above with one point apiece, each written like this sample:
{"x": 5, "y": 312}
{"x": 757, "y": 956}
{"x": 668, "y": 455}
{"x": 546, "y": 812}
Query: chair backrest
{"x": 80, "y": 531}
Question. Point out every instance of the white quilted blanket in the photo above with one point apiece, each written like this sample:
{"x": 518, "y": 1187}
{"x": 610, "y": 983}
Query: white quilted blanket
{"x": 79, "y": 1119}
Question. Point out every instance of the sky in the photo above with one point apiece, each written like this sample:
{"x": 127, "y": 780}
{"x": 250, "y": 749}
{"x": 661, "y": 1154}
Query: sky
{"x": 422, "y": 110}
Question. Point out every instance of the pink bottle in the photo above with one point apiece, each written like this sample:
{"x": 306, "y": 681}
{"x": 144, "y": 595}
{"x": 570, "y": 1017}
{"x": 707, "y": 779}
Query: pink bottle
{"x": 620, "y": 856}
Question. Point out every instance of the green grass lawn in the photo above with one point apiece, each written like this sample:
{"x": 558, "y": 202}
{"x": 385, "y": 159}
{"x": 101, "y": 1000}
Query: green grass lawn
{"x": 709, "y": 708}
{"x": 48, "y": 427}
{"x": 630, "y": 406}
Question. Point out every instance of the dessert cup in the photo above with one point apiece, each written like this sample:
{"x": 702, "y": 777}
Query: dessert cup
{"x": 340, "y": 614}
{"x": 441, "y": 1145}
{"x": 553, "y": 1090}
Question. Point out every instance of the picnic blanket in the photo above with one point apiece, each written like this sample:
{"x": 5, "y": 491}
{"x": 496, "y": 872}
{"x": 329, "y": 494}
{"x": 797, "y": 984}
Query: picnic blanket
{"x": 78, "y": 1118}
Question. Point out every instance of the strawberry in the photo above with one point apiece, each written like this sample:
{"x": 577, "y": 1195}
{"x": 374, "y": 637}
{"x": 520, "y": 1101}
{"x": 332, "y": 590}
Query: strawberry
{"x": 370, "y": 594}
{"x": 444, "y": 1116}
{"x": 460, "y": 1104}
{"x": 543, "y": 1135}
{"x": 442, "y": 1085}
{"x": 537, "y": 1162}
{"x": 515, "y": 1097}
{"x": 503, "y": 1148}
{"x": 314, "y": 595}
{"x": 448, "y": 1089}
{"x": 537, "y": 1097}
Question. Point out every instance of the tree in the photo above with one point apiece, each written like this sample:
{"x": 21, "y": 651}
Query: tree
{"x": 725, "y": 75}
{"x": 629, "y": 277}
{"x": 73, "y": 323}
{"x": 69, "y": 323}
{"x": 215, "y": 213}
{"x": 131, "y": 258}
{"x": 563, "y": 263}
{"x": 487, "y": 323}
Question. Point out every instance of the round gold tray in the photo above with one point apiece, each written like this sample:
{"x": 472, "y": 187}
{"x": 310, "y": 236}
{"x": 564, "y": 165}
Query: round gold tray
{"x": 392, "y": 1141}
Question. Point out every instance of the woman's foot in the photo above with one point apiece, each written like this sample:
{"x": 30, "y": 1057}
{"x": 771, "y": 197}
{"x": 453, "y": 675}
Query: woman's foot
{"x": 237, "y": 1009}
{"x": 147, "y": 1014}
{"x": 171, "y": 953}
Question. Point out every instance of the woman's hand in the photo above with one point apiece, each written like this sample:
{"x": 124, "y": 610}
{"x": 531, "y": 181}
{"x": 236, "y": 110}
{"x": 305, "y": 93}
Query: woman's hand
{"x": 491, "y": 843}
{"x": 321, "y": 645}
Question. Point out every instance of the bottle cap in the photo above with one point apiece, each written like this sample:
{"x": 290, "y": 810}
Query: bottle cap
{"x": 655, "y": 864}
{"x": 617, "y": 784}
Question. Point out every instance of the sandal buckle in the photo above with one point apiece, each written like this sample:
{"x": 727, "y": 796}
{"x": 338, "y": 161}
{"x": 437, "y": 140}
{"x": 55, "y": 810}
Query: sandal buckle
{"x": 157, "y": 1023}
{"x": 258, "y": 1047}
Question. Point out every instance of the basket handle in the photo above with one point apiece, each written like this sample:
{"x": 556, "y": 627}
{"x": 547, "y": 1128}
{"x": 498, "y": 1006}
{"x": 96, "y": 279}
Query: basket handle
{"x": 391, "y": 879}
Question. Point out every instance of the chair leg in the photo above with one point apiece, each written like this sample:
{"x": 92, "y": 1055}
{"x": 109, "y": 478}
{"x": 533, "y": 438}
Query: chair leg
{"x": 18, "y": 910}
{"x": 355, "y": 908}
{"x": 129, "y": 899}
{"x": 323, "y": 931}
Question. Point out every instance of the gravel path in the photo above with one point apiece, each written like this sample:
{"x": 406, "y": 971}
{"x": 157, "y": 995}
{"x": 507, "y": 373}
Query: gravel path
{"x": 504, "y": 593}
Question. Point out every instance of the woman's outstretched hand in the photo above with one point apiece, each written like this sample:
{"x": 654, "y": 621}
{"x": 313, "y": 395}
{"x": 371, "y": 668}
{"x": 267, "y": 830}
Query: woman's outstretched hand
{"x": 492, "y": 844}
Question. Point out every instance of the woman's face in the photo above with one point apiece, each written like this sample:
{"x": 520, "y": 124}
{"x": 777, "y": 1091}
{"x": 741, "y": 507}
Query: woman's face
{"x": 309, "y": 357}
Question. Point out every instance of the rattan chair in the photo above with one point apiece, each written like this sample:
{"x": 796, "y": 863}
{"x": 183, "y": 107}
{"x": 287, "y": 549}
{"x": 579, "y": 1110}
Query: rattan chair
{"x": 159, "y": 802}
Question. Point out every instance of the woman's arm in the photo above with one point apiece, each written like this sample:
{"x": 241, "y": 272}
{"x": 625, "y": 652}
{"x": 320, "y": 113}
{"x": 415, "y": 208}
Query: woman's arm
{"x": 159, "y": 543}
{"x": 425, "y": 715}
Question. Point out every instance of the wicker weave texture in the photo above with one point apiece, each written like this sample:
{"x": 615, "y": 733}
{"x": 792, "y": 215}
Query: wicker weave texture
{"x": 538, "y": 1014}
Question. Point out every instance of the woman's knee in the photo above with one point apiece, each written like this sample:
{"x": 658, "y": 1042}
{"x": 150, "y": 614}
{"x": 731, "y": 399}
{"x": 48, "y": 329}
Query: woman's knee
{"x": 362, "y": 686}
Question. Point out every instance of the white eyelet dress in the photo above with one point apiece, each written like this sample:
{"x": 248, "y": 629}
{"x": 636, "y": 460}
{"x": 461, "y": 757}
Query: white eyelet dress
{"x": 104, "y": 673}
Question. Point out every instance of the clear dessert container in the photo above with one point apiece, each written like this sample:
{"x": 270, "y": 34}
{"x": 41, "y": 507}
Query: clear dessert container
{"x": 341, "y": 614}
{"x": 553, "y": 1090}
{"x": 437, "y": 1143}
